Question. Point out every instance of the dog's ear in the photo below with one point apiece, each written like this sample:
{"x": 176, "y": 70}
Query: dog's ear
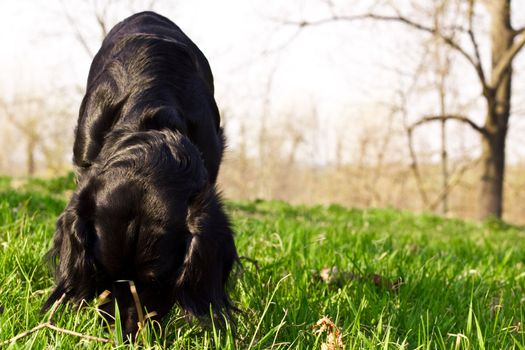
{"x": 72, "y": 253}
{"x": 210, "y": 255}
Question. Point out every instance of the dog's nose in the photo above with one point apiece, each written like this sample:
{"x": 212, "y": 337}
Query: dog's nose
{"x": 122, "y": 289}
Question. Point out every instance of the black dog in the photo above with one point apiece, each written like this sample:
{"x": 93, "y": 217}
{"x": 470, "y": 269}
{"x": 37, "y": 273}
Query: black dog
{"x": 147, "y": 150}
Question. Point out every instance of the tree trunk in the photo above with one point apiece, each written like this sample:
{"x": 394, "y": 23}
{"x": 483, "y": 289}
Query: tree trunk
{"x": 444, "y": 167}
{"x": 493, "y": 174}
{"x": 498, "y": 111}
{"x": 30, "y": 156}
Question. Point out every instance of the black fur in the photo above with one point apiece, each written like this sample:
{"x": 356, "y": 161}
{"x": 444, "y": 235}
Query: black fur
{"x": 148, "y": 145}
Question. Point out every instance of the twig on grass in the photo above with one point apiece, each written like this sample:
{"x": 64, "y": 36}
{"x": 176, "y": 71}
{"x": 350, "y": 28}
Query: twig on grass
{"x": 24, "y": 334}
{"x": 55, "y": 306}
{"x": 77, "y": 334}
{"x": 49, "y": 324}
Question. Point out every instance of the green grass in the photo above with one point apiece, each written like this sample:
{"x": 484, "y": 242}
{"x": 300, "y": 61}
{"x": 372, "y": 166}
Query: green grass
{"x": 463, "y": 284}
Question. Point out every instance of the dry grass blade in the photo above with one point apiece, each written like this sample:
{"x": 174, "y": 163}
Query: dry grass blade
{"x": 138, "y": 305}
{"x": 103, "y": 298}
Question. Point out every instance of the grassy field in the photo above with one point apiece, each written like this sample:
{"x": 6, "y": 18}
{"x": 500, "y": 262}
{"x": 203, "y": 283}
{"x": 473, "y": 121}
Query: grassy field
{"x": 387, "y": 279}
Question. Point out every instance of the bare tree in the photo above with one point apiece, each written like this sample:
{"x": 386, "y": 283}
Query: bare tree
{"x": 43, "y": 124}
{"x": 442, "y": 71}
{"x": 24, "y": 113}
{"x": 103, "y": 14}
{"x": 506, "y": 42}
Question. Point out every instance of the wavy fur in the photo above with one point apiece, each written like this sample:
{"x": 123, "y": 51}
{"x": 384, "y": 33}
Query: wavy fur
{"x": 147, "y": 150}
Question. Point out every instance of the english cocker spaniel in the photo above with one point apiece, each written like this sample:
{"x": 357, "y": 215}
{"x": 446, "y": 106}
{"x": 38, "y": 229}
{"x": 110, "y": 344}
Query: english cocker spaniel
{"x": 147, "y": 150}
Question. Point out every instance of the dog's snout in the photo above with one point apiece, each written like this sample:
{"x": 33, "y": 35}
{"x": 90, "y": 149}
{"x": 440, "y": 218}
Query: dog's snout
{"x": 129, "y": 321}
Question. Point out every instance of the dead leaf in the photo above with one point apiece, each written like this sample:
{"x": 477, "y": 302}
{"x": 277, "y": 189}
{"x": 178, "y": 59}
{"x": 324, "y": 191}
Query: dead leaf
{"x": 516, "y": 327}
{"x": 382, "y": 282}
{"x": 413, "y": 248}
{"x": 333, "y": 334}
{"x": 332, "y": 276}
{"x": 328, "y": 275}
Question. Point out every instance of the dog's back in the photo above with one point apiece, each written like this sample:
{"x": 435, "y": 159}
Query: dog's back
{"x": 149, "y": 75}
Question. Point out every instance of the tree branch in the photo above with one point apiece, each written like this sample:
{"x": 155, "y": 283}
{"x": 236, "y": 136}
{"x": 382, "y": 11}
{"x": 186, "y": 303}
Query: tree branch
{"x": 25, "y": 126}
{"x": 78, "y": 34}
{"x": 519, "y": 31}
{"x": 478, "y": 65}
{"x": 474, "y": 61}
{"x": 100, "y": 16}
{"x": 452, "y": 183}
{"x": 415, "y": 167}
{"x": 458, "y": 118}
{"x": 506, "y": 59}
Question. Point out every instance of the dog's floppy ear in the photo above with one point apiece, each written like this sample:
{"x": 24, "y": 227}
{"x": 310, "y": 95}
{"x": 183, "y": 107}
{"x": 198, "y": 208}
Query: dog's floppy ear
{"x": 210, "y": 254}
{"x": 71, "y": 253}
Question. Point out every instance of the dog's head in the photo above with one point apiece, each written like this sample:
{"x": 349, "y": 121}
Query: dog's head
{"x": 145, "y": 213}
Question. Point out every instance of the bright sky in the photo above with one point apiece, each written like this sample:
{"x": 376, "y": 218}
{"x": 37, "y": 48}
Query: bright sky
{"x": 342, "y": 70}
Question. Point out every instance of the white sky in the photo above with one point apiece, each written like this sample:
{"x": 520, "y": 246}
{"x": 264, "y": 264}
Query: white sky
{"x": 342, "y": 70}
